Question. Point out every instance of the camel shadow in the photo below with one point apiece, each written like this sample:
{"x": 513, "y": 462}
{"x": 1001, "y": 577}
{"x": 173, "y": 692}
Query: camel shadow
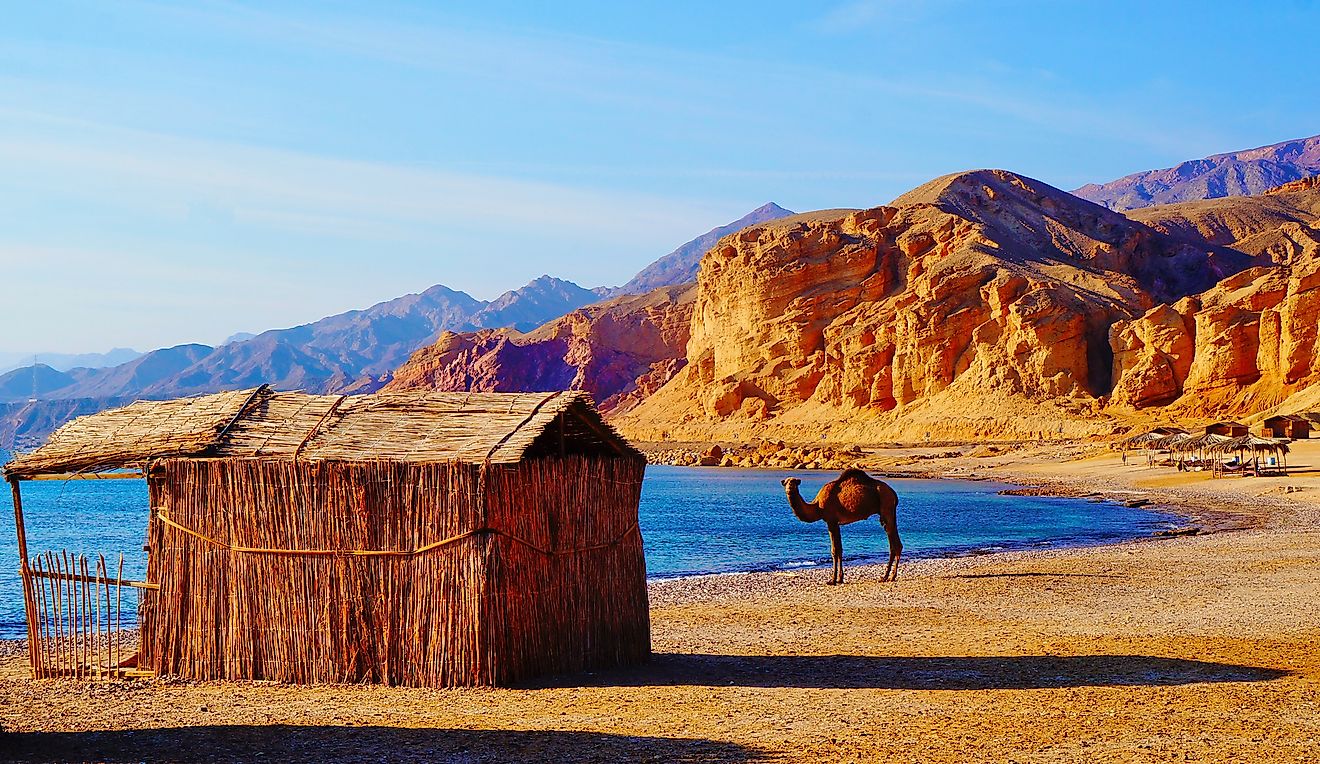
{"x": 287, "y": 742}
{"x": 1013, "y": 672}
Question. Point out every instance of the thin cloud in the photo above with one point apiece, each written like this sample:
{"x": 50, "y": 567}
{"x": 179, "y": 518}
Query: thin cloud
{"x": 709, "y": 88}
{"x": 276, "y": 185}
{"x": 848, "y": 17}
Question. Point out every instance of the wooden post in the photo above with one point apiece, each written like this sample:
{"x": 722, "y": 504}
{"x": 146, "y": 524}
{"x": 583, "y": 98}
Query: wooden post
{"x": 29, "y": 604}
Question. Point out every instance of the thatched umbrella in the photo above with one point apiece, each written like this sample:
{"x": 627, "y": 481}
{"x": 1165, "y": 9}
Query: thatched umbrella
{"x": 1199, "y": 445}
{"x": 1256, "y": 446}
{"x": 1167, "y": 443}
{"x": 1148, "y": 441}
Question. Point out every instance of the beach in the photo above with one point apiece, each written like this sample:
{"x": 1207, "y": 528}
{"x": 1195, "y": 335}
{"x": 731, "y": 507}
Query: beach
{"x": 1198, "y": 647}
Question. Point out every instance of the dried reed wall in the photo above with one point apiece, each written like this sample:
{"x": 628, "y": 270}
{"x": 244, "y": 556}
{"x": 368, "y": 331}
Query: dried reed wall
{"x": 461, "y": 613}
{"x": 574, "y": 610}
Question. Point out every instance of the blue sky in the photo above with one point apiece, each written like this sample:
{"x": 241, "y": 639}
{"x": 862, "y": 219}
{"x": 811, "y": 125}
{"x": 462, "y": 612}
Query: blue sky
{"x": 179, "y": 172}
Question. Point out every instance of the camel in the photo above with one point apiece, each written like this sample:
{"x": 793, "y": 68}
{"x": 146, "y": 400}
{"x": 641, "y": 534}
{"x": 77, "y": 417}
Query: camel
{"x": 851, "y": 497}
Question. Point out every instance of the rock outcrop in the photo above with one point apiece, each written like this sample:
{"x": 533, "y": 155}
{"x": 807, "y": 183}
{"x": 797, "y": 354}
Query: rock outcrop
{"x": 620, "y": 351}
{"x": 979, "y": 302}
{"x": 1248, "y": 343}
{"x": 1240, "y": 348}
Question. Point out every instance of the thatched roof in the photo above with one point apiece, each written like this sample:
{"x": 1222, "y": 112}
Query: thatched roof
{"x": 1165, "y": 442}
{"x": 1208, "y": 441}
{"x": 1252, "y": 443}
{"x": 1149, "y": 438}
{"x": 410, "y": 427}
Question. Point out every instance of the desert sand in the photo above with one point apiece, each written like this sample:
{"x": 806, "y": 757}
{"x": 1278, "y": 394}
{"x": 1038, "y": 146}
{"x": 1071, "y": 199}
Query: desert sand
{"x": 1189, "y": 648}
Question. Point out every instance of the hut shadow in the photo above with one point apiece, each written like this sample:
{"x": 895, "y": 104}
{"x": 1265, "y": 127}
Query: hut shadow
{"x": 286, "y": 742}
{"x": 1019, "y": 672}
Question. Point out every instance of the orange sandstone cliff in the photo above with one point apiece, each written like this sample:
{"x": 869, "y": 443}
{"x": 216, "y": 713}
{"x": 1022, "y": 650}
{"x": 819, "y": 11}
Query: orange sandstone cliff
{"x": 1241, "y": 348}
{"x": 979, "y": 303}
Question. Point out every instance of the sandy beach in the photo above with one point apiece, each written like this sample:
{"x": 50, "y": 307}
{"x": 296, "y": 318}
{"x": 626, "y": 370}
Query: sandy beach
{"x": 1189, "y": 648}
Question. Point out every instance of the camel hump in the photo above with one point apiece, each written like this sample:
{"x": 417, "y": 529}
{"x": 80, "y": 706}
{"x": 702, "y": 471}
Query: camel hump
{"x": 852, "y": 473}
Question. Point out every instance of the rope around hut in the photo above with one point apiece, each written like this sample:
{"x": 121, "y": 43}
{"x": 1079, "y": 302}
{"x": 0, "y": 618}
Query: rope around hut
{"x": 163, "y": 515}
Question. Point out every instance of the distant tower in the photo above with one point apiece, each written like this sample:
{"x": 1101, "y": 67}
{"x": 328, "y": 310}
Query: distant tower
{"x": 33, "y": 399}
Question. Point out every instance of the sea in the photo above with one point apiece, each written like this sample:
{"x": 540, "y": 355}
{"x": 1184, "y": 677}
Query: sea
{"x": 694, "y": 520}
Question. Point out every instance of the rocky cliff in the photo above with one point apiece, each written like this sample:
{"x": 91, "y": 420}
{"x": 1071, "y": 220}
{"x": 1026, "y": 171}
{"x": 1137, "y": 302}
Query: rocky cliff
{"x": 980, "y": 302}
{"x": 1240, "y": 173}
{"x": 1273, "y": 227}
{"x": 1247, "y": 344}
{"x": 620, "y": 351}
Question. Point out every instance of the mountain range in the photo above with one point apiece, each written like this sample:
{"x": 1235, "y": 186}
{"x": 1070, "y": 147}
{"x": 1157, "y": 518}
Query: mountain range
{"x": 982, "y": 302}
{"x": 353, "y": 352}
{"x": 66, "y": 361}
{"x": 1239, "y": 173}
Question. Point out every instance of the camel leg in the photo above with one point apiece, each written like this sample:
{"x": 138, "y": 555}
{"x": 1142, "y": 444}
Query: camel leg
{"x": 895, "y": 549}
{"x": 836, "y": 551}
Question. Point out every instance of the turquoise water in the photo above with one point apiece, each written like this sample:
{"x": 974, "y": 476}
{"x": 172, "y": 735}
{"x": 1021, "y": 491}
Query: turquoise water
{"x": 717, "y": 520}
{"x": 694, "y": 520}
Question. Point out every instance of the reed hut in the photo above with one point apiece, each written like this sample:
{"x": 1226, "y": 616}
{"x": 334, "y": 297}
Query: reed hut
{"x": 432, "y": 539}
{"x": 1286, "y": 426}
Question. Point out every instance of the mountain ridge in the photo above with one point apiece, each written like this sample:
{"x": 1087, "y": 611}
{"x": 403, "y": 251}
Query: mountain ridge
{"x": 351, "y": 352}
{"x": 869, "y": 324}
{"x": 1237, "y": 173}
{"x": 680, "y": 266}
{"x": 67, "y": 361}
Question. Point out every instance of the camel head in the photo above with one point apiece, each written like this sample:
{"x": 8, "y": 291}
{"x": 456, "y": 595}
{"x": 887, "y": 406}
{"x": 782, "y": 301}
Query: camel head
{"x": 807, "y": 513}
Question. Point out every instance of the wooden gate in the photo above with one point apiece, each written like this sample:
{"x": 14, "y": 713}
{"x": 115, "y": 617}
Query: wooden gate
{"x": 80, "y": 624}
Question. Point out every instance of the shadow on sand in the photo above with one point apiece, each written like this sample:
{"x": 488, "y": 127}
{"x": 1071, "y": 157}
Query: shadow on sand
{"x": 1038, "y": 574}
{"x": 284, "y": 742}
{"x": 1021, "y": 672}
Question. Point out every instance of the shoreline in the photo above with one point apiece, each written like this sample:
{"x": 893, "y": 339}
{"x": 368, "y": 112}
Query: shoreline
{"x": 1008, "y": 462}
{"x": 1196, "y": 648}
{"x": 1212, "y": 522}
{"x": 1203, "y": 515}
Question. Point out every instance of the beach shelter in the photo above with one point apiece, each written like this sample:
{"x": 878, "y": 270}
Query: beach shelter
{"x": 1267, "y": 454}
{"x": 1151, "y": 441}
{"x": 426, "y": 538}
{"x": 1195, "y": 452}
{"x": 1229, "y": 429}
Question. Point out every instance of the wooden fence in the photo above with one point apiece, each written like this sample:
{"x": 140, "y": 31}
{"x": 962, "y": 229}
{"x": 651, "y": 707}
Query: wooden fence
{"x": 80, "y": 623}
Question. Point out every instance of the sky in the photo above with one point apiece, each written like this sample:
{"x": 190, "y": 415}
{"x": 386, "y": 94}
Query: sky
{"x": 180, "y": 172}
